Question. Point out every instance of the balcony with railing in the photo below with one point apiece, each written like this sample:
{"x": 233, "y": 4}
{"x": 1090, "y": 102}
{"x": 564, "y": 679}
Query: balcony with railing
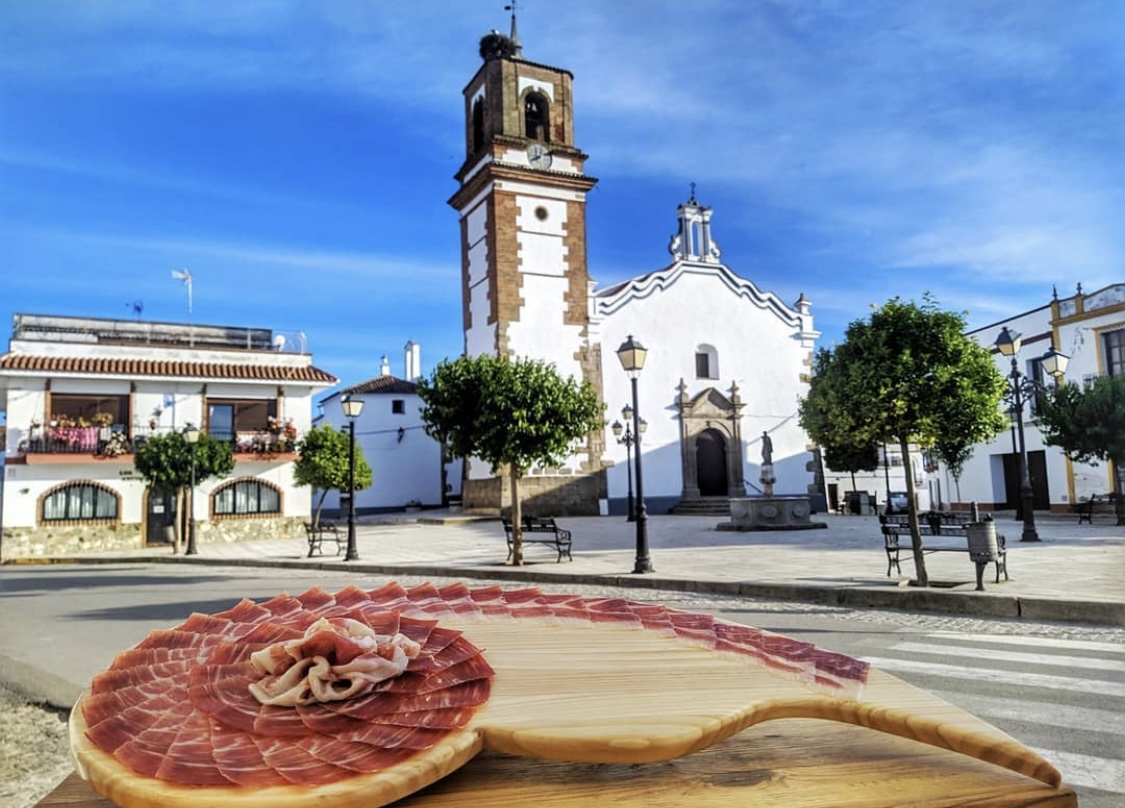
{"x": 67, "y": 443}
{"x": 63, "y": 442}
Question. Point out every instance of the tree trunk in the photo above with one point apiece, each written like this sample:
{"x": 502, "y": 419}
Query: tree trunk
{"x": 517, "y": 517}
{"x": 1119, "y": 493}
{"x": 915, "y": 531}
{"x": 319, "y": 507}
{"x": 181, "y": 503}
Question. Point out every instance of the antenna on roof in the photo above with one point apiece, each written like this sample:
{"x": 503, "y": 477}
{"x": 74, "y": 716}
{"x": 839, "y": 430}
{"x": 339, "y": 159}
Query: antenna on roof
{"x": 516, "y": 47}
{"x": 138, "y": 306}
{"x": 185, "y": 276}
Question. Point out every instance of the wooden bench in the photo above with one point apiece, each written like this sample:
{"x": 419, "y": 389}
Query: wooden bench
{"x": 316, "y": 534}
{"x": 896, "y": 539}
{"x": 535, "y": 531}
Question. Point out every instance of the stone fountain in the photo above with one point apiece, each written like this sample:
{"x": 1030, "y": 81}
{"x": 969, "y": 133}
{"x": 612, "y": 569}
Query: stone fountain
{"x": 768, "y": 511}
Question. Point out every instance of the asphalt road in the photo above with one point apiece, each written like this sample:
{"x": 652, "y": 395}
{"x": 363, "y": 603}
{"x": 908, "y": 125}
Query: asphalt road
{"x": 1059, "y": 688}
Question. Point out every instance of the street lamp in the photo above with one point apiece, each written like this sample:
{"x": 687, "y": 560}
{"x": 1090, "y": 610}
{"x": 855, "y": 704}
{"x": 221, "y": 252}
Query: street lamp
{"x": 191, "y": 435}
{"x": 1008, "y": 343}
{"x": 632, "y": 355}
{"x": 627, "y": 440}
{"x": 353, "y": 406}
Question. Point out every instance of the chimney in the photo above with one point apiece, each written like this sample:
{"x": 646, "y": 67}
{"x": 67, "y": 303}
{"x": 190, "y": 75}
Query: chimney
{"x": 385, "y": 367}
{"x": 413, "y": 361}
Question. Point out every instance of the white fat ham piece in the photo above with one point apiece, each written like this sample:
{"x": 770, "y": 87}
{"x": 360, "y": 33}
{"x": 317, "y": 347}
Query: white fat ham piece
{"x": 334, "y": 660}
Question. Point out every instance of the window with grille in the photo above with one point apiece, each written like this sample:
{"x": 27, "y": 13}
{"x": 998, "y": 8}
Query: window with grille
{"x": 246, "y": 497}
{"x": 80, "y": 501}
{"x": 398, "y": 406}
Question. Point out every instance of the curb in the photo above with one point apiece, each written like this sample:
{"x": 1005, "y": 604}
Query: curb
{"x": 939, "y": 601}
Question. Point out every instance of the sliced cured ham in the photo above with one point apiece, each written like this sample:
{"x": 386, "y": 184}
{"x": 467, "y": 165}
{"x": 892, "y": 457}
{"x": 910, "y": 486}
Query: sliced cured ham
{"x": 195, "y": 708}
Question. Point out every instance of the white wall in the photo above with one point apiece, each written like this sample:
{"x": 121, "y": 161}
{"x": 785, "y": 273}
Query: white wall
{"x": 1079, "y": 338}
{"x": 26, "y": 401}
{"x": 403, "y": 471}
{"x": 756, "y": 348}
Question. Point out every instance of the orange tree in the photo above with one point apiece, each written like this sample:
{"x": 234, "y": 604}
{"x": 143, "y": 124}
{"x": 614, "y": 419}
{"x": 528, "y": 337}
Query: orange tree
{"x": 908, "y": 375}
{"x": 1088, "y": 423}
{"x": 165, "y": 463}
{"x": 510, "y": 413}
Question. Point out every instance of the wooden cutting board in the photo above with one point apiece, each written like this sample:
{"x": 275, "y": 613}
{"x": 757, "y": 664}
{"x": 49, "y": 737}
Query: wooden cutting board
{"x": 601, "y": 693}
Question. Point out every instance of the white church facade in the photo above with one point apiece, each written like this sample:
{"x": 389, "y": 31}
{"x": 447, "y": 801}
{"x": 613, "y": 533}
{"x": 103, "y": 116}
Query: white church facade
{"x": 727, "y": 362}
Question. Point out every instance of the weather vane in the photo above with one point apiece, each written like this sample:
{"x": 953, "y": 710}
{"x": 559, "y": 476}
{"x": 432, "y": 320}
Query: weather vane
{"x": 513, "y": 35}
{"x": 185, "y": 276}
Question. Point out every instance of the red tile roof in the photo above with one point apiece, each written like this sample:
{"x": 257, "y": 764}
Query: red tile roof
{"x": 151, "y": 367}
{"x": 382, "y": 384}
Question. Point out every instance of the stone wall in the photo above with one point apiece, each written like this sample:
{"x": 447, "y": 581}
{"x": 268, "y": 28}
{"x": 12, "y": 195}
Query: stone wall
{"x": 69, "y": 540}
{"x": 64, "y": 540}
{"x": 540, "y": 495}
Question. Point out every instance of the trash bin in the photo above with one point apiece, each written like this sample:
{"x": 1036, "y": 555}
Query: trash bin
{"x": 982, "y": 540}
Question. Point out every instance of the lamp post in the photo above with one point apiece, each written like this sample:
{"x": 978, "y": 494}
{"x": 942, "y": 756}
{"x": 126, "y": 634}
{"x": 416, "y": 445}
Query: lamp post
{"x": 353, "y": 406}
{"x": 627, "y": 440}
{"x": 191, "y": 435}
{"x": 1008, "y": 343}
{"x": 632, "y": 356}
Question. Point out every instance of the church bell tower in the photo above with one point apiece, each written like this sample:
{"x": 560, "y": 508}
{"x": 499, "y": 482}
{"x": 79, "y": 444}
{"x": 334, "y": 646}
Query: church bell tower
{"x": 522, "y": 207}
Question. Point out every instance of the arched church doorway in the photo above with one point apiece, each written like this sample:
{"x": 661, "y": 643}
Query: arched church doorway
{"x": 711, "y": 463}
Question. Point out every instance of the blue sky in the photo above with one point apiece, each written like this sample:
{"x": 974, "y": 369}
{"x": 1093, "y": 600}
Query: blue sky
{"x": 297, "y": 156}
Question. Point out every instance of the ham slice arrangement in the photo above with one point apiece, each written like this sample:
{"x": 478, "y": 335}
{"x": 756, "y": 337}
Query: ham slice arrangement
{"x": 361, "y": 697}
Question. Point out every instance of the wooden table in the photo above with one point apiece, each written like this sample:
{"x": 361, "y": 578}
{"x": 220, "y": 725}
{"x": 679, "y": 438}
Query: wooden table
{"x": 794, "y": 762}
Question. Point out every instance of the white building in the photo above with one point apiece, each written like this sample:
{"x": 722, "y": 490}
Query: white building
{"x": 407, "y": 465}
{"x": 726, "y": 363}
{"x": 78, "y": 394}
{"x": 1090, "y": 329}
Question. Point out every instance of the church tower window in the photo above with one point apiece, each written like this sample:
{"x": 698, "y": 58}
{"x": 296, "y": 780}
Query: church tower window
{"x": 536, "y": 117}
{"x": 478, "y": 125}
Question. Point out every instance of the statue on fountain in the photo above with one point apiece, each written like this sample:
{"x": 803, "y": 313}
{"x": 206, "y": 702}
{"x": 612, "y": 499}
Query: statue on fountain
{"x": 767, "y": 477}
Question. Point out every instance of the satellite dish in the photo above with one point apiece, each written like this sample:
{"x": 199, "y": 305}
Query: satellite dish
{"x": 279, "y": 343}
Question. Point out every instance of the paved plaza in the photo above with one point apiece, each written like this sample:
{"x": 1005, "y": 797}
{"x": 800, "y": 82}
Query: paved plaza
{"x": 1075, "y": 573}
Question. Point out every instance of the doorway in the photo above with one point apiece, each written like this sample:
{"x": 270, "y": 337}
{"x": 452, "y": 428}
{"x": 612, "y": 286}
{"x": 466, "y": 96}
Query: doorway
{"x": 1037, "y": 469}
{"x": 711, "y": 463}
{"x": 160, "y": 518}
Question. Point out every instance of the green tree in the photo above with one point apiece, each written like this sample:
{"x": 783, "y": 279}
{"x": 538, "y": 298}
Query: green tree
{"x": 906, "y": 375}
{"x": 322, "y": 463}
{"x": 165, "y": 462}
{"x": 832, "y": 425}
{"x": 508, "y": 412}
{"x": 951, "y": 449}
{"x": 1088, "y": 424}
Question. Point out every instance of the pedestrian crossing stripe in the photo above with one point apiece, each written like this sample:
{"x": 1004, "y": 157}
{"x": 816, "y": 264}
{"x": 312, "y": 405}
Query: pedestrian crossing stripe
{"x": 1088, "y": 771}
{"x": 1087, "y": 719}
{"x": 1023, "y": 657}
{"x": 1038, "y": 642}
{"x": 1007, "y": 678}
